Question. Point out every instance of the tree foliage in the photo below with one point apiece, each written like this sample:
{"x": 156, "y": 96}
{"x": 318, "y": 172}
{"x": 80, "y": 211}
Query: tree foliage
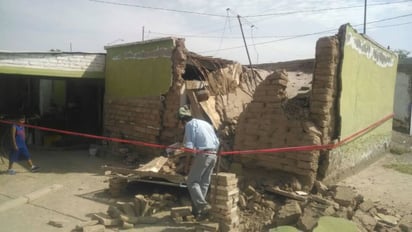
{"x": 402, "y": 54}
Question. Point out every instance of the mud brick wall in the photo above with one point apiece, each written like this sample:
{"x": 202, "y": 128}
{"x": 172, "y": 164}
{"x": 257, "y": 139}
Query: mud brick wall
{"x": 135, "y": 119}
{"x": 170, "y": 132}
{"x": 265, "y": 124}
{"x": 323, "y": 104}
{"x": 324, "y": 87}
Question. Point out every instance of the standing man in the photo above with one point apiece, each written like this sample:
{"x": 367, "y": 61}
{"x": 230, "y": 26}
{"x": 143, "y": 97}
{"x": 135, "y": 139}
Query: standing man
{"x": 201, "y": 137}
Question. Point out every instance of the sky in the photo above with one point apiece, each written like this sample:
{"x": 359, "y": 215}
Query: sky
{"x": 274, "y": 30}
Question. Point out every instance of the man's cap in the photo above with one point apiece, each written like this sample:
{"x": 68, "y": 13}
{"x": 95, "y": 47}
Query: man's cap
{"x": 184, "y": 111}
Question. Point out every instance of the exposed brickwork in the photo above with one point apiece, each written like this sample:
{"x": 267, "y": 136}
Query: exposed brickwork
{"x": 135, "y": 119}
{"x": 324, "y": 87}
{"x": 170, "y": 132}
{"x": 265, "y": 124}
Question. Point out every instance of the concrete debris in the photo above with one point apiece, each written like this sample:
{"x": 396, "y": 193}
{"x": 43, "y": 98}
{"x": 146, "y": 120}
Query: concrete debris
{"x": 95, "y": 228}
{"x": 85, "y": 224}
{"x": 257, "y": 205}
{"x": 406, "y": 223}
{"x": 345, "y": 196}
{"x": 289, "y": 213}
{"x": 387, "y": 219}
{"x": 56, "y": 223}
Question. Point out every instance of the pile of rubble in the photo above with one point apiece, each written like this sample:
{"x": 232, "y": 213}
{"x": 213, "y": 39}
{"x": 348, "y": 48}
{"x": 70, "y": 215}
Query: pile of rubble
{"x": 251, "y": 208}
{"x": 272, "y": 207}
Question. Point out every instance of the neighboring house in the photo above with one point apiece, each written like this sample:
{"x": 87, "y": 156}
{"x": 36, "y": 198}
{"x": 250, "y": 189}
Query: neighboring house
{"x": 65, "y": 89}
{"x": 403, "y": 97}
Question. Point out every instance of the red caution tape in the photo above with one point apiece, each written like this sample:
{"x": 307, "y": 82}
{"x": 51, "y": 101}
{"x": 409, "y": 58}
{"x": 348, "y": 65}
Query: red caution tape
{"x": 268, "y": 150}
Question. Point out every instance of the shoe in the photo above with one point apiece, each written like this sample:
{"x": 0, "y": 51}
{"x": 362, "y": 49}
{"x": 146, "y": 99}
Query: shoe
{"x": 11, "y": 172}
{"x": 201, "y": 217}
{"x": 35, "y": 168}
{"x": 206, "y": 209}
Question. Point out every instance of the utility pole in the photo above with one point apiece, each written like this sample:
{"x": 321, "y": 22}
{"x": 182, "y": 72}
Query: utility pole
{"x": 143, "y": 33}
{"x": 247, "y": 51}
{"x": 364, "y": 17}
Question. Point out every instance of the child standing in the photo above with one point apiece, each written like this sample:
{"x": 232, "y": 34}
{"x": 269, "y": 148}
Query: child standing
{"x": 19, "y": 149}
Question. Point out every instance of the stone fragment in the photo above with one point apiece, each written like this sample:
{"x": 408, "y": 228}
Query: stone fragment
{"x": 345, "y": 196}
{"x": 324, "y": 201}
{"x": 208, "y": 226}
{"x": 181, "y": 211}
{"x": 289, "y": 213}
{"x": 387, "y": 219}
{"x": 366, "y": 205}
{"x": 106, "y": 220}
{"x": 88, "y": 223}
{"x": 364, "y": 219}
{"x": 308, "y": 220}
{"x": 113, "y": 211}
{"x": 95, "y": 228}
{"x": 126, "y": 207}
{"x": 56, "y": 223}
{"x": 406, "y": 223}
{"x": 321, "y": 188}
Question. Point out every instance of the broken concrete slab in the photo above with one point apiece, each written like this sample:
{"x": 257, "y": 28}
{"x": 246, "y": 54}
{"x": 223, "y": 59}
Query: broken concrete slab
{"x": 365, "y": 220}
{"x": 366, "y": 205}
{"x": 289, "y": 213}
{"x": 308, "y": 220}
{"x": 95, "y": 228}
{"x": 406, "y": 223}
{"x": 345, "y": 195}
{"x": 387, "y": 219}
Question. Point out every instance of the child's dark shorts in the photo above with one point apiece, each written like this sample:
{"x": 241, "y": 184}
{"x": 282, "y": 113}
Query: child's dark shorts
{"x": 21, "y": 154}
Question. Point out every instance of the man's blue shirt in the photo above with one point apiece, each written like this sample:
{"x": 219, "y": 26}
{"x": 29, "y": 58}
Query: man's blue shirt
{"x": 200, "y": 135}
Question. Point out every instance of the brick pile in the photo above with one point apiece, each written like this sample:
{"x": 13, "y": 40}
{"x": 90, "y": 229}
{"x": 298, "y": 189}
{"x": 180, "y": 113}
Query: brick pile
{"x": 224, "y": 196}
{"x": 265, "y": 124}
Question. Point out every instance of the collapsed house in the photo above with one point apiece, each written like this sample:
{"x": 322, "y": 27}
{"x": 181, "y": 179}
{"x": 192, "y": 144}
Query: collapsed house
{"x": 348, "y": 96}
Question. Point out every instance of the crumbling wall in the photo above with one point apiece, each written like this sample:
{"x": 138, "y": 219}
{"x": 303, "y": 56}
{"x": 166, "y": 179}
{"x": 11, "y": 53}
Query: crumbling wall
{"x": 366, "y": 83}
{"x": 324, "y": 94}
{"x": 172, "y": 99}
{"x": 267, "y": 123}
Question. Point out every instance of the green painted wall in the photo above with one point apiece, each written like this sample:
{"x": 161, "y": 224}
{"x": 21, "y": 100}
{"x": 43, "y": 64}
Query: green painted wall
{"x": 140, "y": 69}
{"x": 368, "y": 81}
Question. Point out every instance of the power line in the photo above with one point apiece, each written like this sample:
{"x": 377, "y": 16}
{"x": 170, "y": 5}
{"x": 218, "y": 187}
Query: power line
{"x": 268, "y": 36}
{"x": 158, "y": 8}
{"x": 320, "y": 10}
{"x": 247, "y": 16}
{"x": 310, "y": 34}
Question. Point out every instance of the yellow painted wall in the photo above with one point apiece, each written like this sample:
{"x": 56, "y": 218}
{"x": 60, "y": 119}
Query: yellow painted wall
{"x": 368, "y": 78}
{"x": 139, "y": 69}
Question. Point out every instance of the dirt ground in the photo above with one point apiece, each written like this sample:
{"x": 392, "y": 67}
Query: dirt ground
{"x": 82, "y": 189}
{"x": 388, "y": 186}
